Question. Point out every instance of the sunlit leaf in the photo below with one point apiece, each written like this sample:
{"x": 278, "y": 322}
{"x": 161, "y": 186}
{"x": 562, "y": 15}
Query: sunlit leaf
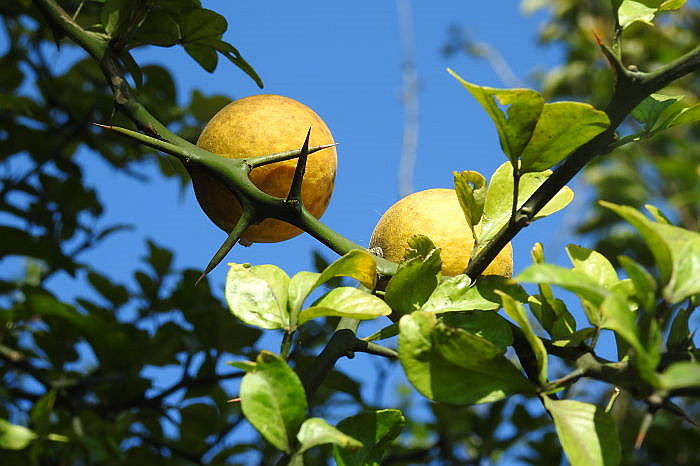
{"x": 676, "y": 252}
{"x": 617, "y": 315}
{"x": 644, "y": 11}
{"x": 273, "y": 400}
{"x": 568, "y": 279}
{"x": 644, "y": 282}
{"x": 681, "y": 374}
{"x": 257, "y": 295}
{"x": 455, "y": 366}
{"x": 499, "y": 199}
{"x": 457, "y": 294}
{"x": 562, "y": 127}
{"x": 516, "y": 125}
{"x": 516, "y": 311}
{"x": 315, "y": 431}
{"x": 346, "y": 302}
{"x": 586, "y": 432}
{"x": 593, "y": 264}
{"x": 13, "y": 436}
{"x": 416, "y": 278}
{"x": 471, "y": 193}
{"x": 357, "y": 264}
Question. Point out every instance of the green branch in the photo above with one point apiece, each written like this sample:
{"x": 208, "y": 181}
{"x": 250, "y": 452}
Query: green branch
{"x": 631, "y": 88}
{"x": 232, "y": 172}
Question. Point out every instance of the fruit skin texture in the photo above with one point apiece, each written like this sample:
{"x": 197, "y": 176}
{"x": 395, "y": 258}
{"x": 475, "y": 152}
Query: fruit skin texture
{"x": 435, "y": 213}
{"x": 260, "y": 125}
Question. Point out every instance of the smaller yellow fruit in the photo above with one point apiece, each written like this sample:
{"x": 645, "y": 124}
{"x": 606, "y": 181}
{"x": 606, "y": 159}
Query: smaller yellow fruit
{"x": 435, "y": 213}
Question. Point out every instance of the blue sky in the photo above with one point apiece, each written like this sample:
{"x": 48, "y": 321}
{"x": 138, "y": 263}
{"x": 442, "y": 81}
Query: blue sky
{"x": 343, "y": 59}
{"x": 345, "y": 63}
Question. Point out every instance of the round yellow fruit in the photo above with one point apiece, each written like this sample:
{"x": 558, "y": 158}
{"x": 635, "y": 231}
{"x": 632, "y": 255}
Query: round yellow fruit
{"x": 261, "y": 125}
{"x": 435, "y": 213}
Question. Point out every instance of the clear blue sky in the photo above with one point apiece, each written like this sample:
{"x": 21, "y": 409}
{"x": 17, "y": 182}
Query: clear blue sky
{"x": 343, "y": 59}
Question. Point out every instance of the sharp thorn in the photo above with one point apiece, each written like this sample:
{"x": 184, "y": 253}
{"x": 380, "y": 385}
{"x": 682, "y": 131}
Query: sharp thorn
{"x": 295, "y": 188}
{"x": 221, "y": 252}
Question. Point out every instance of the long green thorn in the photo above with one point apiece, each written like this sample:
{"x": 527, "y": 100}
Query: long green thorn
{"x": 154, "y": 143}
{"x": 280, "y": 156}
{"x": 643, "y": 429}
{"x": 233, "y": 237}
{"x": 295, "y": 188}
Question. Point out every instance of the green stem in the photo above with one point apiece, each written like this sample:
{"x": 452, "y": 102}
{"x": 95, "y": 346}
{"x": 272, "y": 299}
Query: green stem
{"x": 287, "y": 344}
{"x": 516, "y": 189}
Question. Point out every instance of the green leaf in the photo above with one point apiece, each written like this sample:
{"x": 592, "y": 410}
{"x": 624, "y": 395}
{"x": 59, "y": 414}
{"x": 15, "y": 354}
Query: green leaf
{"x": 315, "y": 431}
{"x": 562, "y": 127}
{"x": 346, "y": 302}
{"x": 376, "y": 430}
{"x": 644, "y": 282}
{"x": 117, "y": 295}
{"x": 680, "y": 375}
{"x": 552, "y": 315}
{"x": 644, "y": 11}
{"x": 114, "y": 14}
{"x": 516, "y": 311}
{"x": 205, "y": 55}
{"x": 569, "y": 279}
{"x": 200, "y": 23}
{"x": 590, "y": 292}
{"x": 387, "y": 332}
{"x": 245, "y": 366}
{"x": 593, "y": 264}
{"x": 487, "y": 325}
{"x": 455, "y": 366}
{"x": 273, "y": 400}
{"x": 679, "y": 337}
{"x": 499, "y": 199}
{"x": 617, "y": 315}
{"x": 676, "y": 252}
{"x": 457, "y": 294}
{"x": 516, "y": 126}
{"x": 550, "y": 312}
{"x": 657, "y": 214}
{"x": 159, "y": 28}
{"x": 41, "y": 413}
{"x": 258, "y": 295}
{"x": 471, "y": 193}
{"x": 300, "y": 286}
{"x": 13, "y": 436}
{"x": 234, "y": 56}
{"x": 586, "y": 432}
{"x": 415, "y": 279}
{"x": 419, "y": 247}
{"x": 358, "y": 264}
{"x": 651, "y": 108}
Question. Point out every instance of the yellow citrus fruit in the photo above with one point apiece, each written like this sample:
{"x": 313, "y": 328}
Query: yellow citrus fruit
{"x": 435, "y": 213}
{"x": 261, "y": 125}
